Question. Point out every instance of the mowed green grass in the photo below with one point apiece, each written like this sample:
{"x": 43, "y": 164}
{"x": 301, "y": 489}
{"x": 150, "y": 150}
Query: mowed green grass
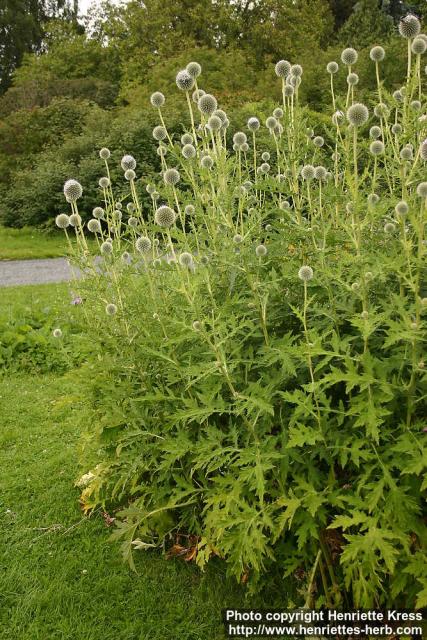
{"x": 28, "y": 243}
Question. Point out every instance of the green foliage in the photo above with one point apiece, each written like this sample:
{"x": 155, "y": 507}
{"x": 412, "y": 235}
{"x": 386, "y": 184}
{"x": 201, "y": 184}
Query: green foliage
{"x": 273, "y": 413}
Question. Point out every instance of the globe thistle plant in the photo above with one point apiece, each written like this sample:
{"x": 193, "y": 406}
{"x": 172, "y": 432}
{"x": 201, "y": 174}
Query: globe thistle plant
{"x": 207, "y": 104}
{"x": 349, "y": 56}
{"x": 305, "y": 273}
{"x": 282, "y": 68}
{"x": 159, "y": 133}
{"x": 111, "y": 309}
{"x": 75, "y": 220}
{"x": 377, "y": 54}
{"x": 143, "y": 244}
{"x": 261, "y": 250}
{"x": 73, "y": 190}
{"x": 94, "y": 226}
{"x": 157, "y": 99}
{"x": 104, "y": 153}
{"x": 62, "y": 221}
{"x": 409, "y": 26}
{"x": 184, "y": 80}
{"x": 128, "y": 162}
{"x": 165, "y": 216}
{"x": 171, "y": 177}
{"x": 332, "y": 67}
{"x": 357, "y": 114}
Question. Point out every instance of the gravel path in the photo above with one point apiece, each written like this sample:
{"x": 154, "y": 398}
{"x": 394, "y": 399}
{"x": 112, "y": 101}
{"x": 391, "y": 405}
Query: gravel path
{"x": 13, "y": 272}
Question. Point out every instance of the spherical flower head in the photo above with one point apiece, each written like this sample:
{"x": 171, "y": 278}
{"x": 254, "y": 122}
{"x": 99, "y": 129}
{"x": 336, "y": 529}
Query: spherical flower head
{"x": 130, "y": 207}
{"x": 296, "y": 70}
{"x": 126, "y": 257}
{"x": 104, "y": 153}
{"x": 284, "y": 205}
{"x": 98, "y": 212}
{"x": 94, "y": 225}
{"x": 239, "y": 138}
{"x": 396, "y": 129}
{"x": 415, "y": 105}
{"x": 72, "y": 190}
{"x": 398, "y": 95}
{"x": 220, "y": 113}
{"x": 409, "y": 26}
{"x": 119, "y": 205}
{"x": 375, "y": 132}
{"x": 161, "y": 150}
{"x": 194, "y": 69}
{"x": 377, "y": 54}
{"x": 130, "y": 174}
{"x": 308, "y": 172}
{"x": 237, "y": 239}
{"x": 128, "y": 162}
{"x": 253, "y": 124}
{"x": 143, "y": 244}
{"x": 264, "y": 168}
{"x": 357, "y": 114}
{"x": 57, "y": 333}
{"x": 107, "y": 248}
{"x": 381, "y": 110}
{"x": 419, "y": 46}
{"x": 159, "y": 133}
{"x": 320, "y": 173}
{"x": 349, "y": 56}
{"x": 422, "y": 190}
{"x": 207, "y": 104}
{"x": 376, "y": 147}
{"x": 295, "y": 81}
{"x": 261, "y": 250}
{"x": 389, "y": 227}
{"x": 355, "y": 286}
{"x": 271, "y": 122}
{"x": 171, "y": 176}
{"x": 318, "y": 141}
{"x": 206, "y": 162}
{"x": 406, "y": 153}
{"x": 133, "y": 222}
{"x": 288, "y": 90}
{"x": 164, "y": 216}
{"x": 401, "y": 208}
{"x": 373, "y": 199}
{"x": 244, "y": 147}
{"x": 282, "y": 68}
{"x": 189, "y": 210}
{"x": 305, "y": 273}
{"x": 197, "y": 94}
{"x": 188, "y": 151}
{"x": 265, "y": 156}
{"x": 278, "y": 113}
{"x": 111, "y": 309}
{"x": 62, "y": 221}
{"x": 186, "y": 259}
{"x": 104, "y": 182}
{"x": 184, "y": 81}
{"x": 157, "y": 99}
{"x": 332, "y": 67}
{"x": 214, "y": 123}
{"x": 352, "y": 79}
{"x": 186, "y": 138}
{"x": 337, "y": 118}
{"x": 423, "y": 150}
{"x": 75, "y": 220}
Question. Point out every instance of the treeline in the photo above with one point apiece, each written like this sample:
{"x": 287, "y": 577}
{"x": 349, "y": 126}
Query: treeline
{"x": 70, "y": 85}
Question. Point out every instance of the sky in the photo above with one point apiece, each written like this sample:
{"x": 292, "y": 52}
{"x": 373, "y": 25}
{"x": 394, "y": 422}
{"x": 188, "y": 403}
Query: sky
{"x": 85, "y": 4}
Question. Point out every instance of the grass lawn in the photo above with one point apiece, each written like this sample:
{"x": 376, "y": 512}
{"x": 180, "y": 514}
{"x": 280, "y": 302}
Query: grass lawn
{"x": 19, "y": 301}
{"x": 16, "y": 244}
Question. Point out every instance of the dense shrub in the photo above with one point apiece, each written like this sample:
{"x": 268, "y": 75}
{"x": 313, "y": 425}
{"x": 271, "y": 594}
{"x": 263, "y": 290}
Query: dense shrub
{"x": 260, "y": 382}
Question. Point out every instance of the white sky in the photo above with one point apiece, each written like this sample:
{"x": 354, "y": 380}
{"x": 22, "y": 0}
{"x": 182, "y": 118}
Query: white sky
{"x": 85, "y": 4}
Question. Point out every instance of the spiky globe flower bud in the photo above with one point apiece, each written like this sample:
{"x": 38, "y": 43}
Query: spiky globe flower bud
{"x": 128, "y": 162}
{"x": 184, "y": 80}
{"x": 130, "y": 207}
{"x": 72, "y": 190}
{"x": 239, "y": 138}
{"x": 318, "y": 141}
{"x": 397, "y": 95}
{"x": 375, "y": 132}
{"x": 284, "y": 205}
{"x": 381, "y": 110}
{"x": 377, "y": 54}
{"x": 98, "y": 212}
{"x": 111, "y": 309}
{"x": 244, "y": 147}
{"x": 159, "y": 133}
{"x": 57, "y": 333}
{"x": 295, "y": 81}
{"x": 307, "y": 172}
{"x": 206, "y": 162}
{"x": 253, "y": 124}
{"x": 320, "y": 173}
{"x": 337, "y": 118}
{"x": 305, "y": 273}
{"x": 373, "y": 199}
{"x": 164, "y": 216}
{"x": 104, "y": 153}
{"x": 157, "y": 99}
{"x": 185, "y": 259}
{"x": 171, "y": 176}
{"x": 62, "y": 221}
{"x": 376, "y": 147}
{"x": 423, "y": 150}
{"x": 197, "y": 325}
{"x": 349, "y": 56}
{"x": 220, "y": 113}
{"x": 396, "y": 129}
{"x": 133, "y": 222}
{"x": 130, "y": 174}
{"x": 75, "y": 220}
{"x": 271, "y": 122}
{"x": 214, "y": 123}
{"x": 188, "y": 151}
{"x": 332, "y": 67}
{"x": 265, "y": 156}
{"x": 422, "y": 190}
{"x": 197, "y": 94}
{"x": 94, "y": 225}
{"x": 261, "y": 250}
{"x": 352, "y": 79}
{"x": 409, "y": 26}
{"x": 190, "y": 210}
{"x": 288, "y": 90}
{"x": 194, "y": 69}
{"x": 401, "y": 208}
{"x": 187, "y": 138}
{"x": 237, "y": 239}
{"x": 282, "y": 68}
{"x": 278, "y": 113}
{"x": 106, "y": 248}
{"x": 104, "y": 182}
{"x": 419, "y": 46}
{"x": 264, "y": 168}
{"x": 161, "y": 150}
{"x": 357, "y": 114}
{"x": 389, "y": 227}
{"x": 207, "y": 104}
{"x": 143, "y": 244}
{"x": 406, "y": 153}
{"x": 296, "y": 70}
{"x": 415, "y": 105}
